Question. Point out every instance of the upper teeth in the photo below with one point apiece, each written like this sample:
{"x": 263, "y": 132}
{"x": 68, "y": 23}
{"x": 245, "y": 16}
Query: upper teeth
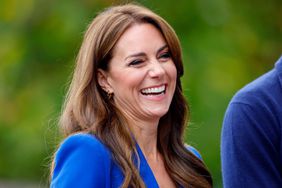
{"x": 154, "y": 89}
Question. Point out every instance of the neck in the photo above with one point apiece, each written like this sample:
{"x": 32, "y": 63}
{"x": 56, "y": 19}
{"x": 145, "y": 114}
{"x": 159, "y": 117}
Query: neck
{"x": 146, "y": 136}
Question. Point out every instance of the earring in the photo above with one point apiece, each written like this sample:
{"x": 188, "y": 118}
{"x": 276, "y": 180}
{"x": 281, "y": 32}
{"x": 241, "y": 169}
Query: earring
{"x": 110, "y": 95}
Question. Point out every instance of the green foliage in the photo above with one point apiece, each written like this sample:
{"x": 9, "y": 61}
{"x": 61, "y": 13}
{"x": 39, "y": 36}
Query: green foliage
{"x": 226, "y": 44}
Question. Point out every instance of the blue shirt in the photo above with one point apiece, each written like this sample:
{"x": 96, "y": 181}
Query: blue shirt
{"x": 83, "y": 161}
{"x": 251, "y": 147}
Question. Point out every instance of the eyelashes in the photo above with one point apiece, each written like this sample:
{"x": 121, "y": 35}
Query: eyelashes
{"x": 136, "y": 62}
{"x": 163, "y": 57}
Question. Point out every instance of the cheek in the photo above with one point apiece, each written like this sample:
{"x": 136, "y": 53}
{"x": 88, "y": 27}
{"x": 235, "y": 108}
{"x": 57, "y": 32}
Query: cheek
{"x": 172, "y": 72}
{"x": 127, "y": 80}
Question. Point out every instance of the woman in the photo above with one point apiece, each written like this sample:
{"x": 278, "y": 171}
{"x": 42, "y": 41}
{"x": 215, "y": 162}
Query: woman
{"x": 125, "y": 114}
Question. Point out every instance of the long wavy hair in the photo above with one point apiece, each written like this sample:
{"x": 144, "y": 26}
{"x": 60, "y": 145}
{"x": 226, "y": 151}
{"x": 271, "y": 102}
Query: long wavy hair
{"x": 88, "y": 109}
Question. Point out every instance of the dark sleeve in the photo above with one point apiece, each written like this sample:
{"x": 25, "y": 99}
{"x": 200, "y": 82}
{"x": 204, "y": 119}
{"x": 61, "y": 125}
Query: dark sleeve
{"x": 81, "y": 161}
{"x": 250, "y": 147}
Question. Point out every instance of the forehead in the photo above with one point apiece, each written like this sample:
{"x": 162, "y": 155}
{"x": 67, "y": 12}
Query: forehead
{"x": 142, "y": 37}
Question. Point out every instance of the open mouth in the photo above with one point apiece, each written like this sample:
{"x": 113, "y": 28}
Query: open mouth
{"x": 154, "y": 90}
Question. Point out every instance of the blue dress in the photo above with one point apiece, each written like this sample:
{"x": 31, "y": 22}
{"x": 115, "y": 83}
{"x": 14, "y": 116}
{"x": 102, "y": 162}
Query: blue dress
{"x": 83, "y": 161}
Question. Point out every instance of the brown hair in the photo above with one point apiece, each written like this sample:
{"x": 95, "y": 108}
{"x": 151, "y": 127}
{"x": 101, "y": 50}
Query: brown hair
{"x": 87, "y": 108}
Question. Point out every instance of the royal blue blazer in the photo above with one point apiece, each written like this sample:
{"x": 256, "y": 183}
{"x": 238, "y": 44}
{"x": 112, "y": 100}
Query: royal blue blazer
{"x": 83, "y": 161}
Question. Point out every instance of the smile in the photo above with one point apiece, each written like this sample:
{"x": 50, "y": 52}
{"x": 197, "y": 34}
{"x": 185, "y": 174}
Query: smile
{"x": 154, "y": 90}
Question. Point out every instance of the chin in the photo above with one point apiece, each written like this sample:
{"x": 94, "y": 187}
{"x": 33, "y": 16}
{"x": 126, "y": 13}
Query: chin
{"x": 159, "y": 114}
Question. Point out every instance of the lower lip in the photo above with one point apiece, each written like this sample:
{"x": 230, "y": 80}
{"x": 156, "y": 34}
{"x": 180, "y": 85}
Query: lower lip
{"x": 155, "y": 97}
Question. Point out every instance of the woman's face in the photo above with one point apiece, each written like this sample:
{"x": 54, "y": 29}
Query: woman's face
{"x": 141, "y": 74}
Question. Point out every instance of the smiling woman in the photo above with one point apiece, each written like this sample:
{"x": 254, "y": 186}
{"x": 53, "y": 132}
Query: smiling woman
{"x": 125, "y": 114}
{"x": 145, "y": 93}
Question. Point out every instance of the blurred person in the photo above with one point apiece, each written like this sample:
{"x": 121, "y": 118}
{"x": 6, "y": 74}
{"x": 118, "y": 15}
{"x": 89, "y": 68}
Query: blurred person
{"x": 124, "y": 115}
{"x": 251, "y": 147}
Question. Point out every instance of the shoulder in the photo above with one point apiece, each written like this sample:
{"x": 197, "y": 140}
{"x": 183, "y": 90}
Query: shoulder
{"x": 255, "y": 110}
{"x": 258, "y": 91}
{"x": 193, "y": 151}
{"x": 80, "y": 156}
{"x": 80, "y": 144}
{"x": 83, "y": 141}
{"x": 260, "y": 97}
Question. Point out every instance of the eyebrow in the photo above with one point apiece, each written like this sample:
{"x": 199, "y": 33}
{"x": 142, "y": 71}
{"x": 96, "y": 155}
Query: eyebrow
{"x": 143, "y": 54}
{"x": 162, "y": 48}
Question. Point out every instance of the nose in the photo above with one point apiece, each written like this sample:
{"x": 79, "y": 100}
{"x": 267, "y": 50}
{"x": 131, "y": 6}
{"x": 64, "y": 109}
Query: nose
{"x": 156, "y": 69}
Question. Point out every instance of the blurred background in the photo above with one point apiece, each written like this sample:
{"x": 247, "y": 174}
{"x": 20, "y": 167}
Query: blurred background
{"x": 226, "y": 44}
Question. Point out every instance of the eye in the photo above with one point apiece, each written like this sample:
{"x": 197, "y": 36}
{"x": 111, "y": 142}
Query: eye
{"x": 136, "y": 62}
{"x": 165, "y": 56}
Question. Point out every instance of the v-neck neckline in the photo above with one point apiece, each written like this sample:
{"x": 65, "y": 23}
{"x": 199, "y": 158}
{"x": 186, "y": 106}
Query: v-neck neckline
{"x": 145, "y": 170}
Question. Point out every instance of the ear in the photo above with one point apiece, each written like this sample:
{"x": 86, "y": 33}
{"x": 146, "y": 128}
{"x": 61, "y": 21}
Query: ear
{"x": 103, "y": 81}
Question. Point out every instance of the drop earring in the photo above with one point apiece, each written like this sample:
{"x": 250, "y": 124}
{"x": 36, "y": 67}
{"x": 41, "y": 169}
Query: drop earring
{"x": 110, "y": 95}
